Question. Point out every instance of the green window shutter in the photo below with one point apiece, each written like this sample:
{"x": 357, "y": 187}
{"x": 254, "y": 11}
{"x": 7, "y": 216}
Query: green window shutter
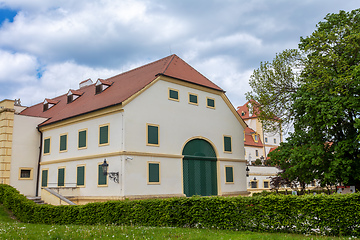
{"x": 44, "y": 178}
{"x": 153, "y": 134}
{"x": 47, "y": 145}
{"x": 63, "y": 143}
{"x": 211, "y": 102}
{"x": 104, "y": 135}
{"x": 80, "y": 177}
{"x": 173, "y": 94}
{"x": 82, "y": 139}
{"x": 193, "y": 98}
{"x": 227, "y": 144}
{"x": 102, "y": 179}
{"x": 61, "y": 177}
{"x": 229, "y": 174}
{"x": 154, "y": 172}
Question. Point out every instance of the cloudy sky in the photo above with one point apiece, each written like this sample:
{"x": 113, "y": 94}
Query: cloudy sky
{"x": 48, "y": 47}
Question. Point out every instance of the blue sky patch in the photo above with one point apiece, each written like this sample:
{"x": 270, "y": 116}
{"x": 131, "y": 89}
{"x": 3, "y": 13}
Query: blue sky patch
{"x": 7, "y": 14}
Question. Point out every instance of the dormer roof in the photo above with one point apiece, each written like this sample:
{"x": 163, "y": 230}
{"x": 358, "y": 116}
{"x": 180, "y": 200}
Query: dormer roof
{"x": 74, "y": 92}
{"x": 104, "y": 82}
{"x": 249, "y": 138}
{"x": 101, "y": 85}
{"x": 51, "y": 101}
{"x": 123, "y": 87}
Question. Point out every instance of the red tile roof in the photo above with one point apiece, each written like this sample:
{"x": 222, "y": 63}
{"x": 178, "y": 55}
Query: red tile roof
{"x": 271, "y": 149}
{"x": 249, "y": 140}
{"x": 244, "y": 109}
{"x": 124, "y": 86}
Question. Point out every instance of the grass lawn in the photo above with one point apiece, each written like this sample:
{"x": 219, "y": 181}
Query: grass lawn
{"x": 12, "y": 229}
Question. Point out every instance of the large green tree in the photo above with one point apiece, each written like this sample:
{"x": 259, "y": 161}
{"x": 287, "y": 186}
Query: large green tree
{"x": 326, "y": 106}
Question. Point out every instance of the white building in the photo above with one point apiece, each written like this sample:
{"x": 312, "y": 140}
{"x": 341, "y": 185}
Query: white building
{"x": 259, "y": 178}
{"x": 164, "y": 129}
{"x": 260, "y": 137}
{"x": 258, "y": 143}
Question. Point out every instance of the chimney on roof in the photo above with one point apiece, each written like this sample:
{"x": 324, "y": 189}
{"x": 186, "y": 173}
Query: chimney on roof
{"x": 85, "y": 83}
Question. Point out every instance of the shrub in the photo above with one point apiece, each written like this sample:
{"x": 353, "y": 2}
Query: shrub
{"x": 321, "y": 214}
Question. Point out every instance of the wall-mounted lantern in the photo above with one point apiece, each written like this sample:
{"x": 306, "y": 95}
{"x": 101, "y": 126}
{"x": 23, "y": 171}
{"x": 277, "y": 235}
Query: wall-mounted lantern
{"x": 247, "y": 171}
{"x": 112, "y": 175}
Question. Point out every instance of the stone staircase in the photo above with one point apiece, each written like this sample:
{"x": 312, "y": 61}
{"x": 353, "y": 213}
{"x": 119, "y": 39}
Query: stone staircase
{"x": 36, "y": 200}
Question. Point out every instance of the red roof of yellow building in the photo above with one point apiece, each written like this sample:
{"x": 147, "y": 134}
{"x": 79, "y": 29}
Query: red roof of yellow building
{"x": 249, "y": 140}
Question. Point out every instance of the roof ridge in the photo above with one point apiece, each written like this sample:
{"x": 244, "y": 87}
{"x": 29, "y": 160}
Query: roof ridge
{"x": 140, "y": 67}
{"x": 172, "y": 58}
{"x": 192, "y": 68}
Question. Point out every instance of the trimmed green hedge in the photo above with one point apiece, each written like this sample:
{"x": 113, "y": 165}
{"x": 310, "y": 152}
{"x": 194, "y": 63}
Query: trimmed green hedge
{"x": 333, "y": 215}
{"x": 289, "y": 192}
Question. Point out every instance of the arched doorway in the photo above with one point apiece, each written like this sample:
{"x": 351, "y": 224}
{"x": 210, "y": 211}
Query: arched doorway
{"x": 199, "y": 168}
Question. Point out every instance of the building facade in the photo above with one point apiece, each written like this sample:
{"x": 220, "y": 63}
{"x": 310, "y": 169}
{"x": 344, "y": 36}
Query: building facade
{"x": 164, "y": 130}
{"x": 261, "y": 142}
{"x": 258, "y": 143}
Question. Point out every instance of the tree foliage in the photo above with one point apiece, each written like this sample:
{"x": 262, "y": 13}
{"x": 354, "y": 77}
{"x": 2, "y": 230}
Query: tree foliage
{"x": 273, "y": 85}
{"x": 326, "y": 106}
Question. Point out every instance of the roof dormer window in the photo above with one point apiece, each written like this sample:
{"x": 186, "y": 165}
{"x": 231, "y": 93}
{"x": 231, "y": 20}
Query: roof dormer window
{"x": 101, "y": 85}
{"x": 48, "y": 103}
{"x": 72, "y": 95}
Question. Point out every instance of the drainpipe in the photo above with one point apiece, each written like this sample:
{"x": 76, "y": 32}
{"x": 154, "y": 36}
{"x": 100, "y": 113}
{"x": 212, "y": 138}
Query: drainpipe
{"x": 38, "y": 168}
{"x": 122, "y": 173}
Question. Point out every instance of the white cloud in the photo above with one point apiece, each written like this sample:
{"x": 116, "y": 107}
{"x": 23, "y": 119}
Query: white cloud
{"x": 82, "y": 33}
{"x": 227, "y": 73}
{"x": 57, "y": 79}
{"x": 73, "y": 40}
{"x": 17, "y": 67}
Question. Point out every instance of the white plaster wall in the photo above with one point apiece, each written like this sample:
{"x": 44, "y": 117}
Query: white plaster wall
{"x": 260, "y": 182}
{"x": 263, "y": 170}
{"x": 252, "y": 151}
{"x": 92, "y": 126}
{"x": 179, "y": 122}
{"x": 91, "y": 176}
{"x": 261, "y": 173}
{"x": 271, "y": 137}
{"x": 251, "y": 122}
{"x": 136, "y": 176}
{"x": 25, "y": 152}
{"x": 239, "y": 171}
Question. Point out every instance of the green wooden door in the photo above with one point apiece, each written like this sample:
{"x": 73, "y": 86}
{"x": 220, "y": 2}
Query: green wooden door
{"x": 199, "y": 169}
